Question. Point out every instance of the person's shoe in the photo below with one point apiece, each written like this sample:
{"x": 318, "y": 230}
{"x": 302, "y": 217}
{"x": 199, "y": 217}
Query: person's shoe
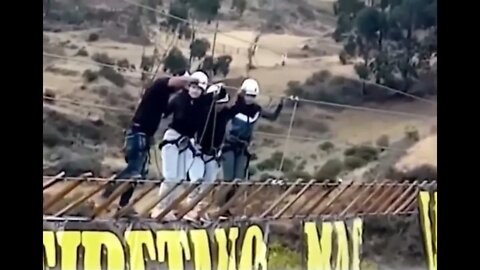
{"x": 206, "y": 219}
{"x": 226, "y": 215}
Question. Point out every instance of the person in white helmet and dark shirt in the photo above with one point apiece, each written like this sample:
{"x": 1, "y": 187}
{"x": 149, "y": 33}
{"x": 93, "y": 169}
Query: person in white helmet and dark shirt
{"x": 235, "y": 154}
{"x": 188, "y": 108}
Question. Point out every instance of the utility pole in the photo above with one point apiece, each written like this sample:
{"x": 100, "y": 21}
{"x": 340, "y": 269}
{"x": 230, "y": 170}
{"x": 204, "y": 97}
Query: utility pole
{"x": 213, "y": 47}
{"x": 192, "y": 39}
{"x": 214, "y": 39}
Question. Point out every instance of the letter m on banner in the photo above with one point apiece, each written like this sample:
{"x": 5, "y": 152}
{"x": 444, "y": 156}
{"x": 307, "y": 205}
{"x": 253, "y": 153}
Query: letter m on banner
{"x": 427, "y": 202}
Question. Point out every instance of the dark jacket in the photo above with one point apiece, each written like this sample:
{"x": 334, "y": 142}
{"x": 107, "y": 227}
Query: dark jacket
{"x": 242, "y": 125}
{"x": 153, "y": 104}
{"x": 189, "y": 114}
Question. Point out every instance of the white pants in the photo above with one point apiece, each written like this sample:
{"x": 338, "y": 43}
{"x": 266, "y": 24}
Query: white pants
{"x": 212, "y": 168}
{"x": 175, "y": 163}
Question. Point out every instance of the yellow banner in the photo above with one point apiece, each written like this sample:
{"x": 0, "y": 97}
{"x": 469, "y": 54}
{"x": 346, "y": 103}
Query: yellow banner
{"x": 428, "y": 216}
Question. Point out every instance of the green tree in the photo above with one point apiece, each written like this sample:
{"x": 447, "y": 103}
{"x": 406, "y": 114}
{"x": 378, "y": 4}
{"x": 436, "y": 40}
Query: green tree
{"x": 152, "y": 14}
{"x": 369, "y": 22}
{"x": 175, "y": 61}
{"x": 199, "y": 47}
{"x": 239, "y": 6}
{"x": 134, "y": 26}
{"x": 205, "y": 9}
{"x": 178, "y": 11}
{"x": 350, "y": 7}
{"x": 362, "y": 71}
{"x": 222, "y": 65}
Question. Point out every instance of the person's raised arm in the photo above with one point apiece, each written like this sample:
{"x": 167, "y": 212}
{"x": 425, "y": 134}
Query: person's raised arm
{"x": 272, "y": 116}
{"x": 181, "y": 81}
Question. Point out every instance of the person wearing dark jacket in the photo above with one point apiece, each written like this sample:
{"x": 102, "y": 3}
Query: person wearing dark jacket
{"x": 209, "y": 140}
{"x": 178, "y": 148}
{"x": 143, "y": 126}
{"x": 235, "y": 153}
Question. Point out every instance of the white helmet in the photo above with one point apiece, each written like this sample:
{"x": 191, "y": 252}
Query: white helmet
{"x": 250, "y": 87}
{"x": 202, "y": 79}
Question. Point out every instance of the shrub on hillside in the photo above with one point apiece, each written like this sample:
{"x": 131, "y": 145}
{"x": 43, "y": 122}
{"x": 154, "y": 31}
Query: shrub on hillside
{"x": 318, "y": 77}
{"x": 147, "y": 63}
{"x": 175, "y": 61}
{"x": 306, "y": 12}
{"x": 223, "y": 65}
{"x": 294, "y": 175}
{"x": 113, "y": 76}
{"x": 354, "y": 162}
{"x": 252, "y": 171}
{"x": 273, "y": 163}
{"x": 365, "y": 152}
{"x": 301, "y": 165}
{"x": 383, "y": 141}
{"x": 423, "y": 172}
{"x": 82, "y": 52}
{"x": 90, "y": 75}
{"x": 101, "y": 90}
{"x": 267, "y": 164}
{"x": 322, "y": 87}
{"x": 361, "y": 70}
{"x": 312, "y": 125}
{"x": 123, "y": 120}
{"x": 343, "y": 57}
{"x": 49, "y": 96}
{"x": 52, "y": 136}
{"x": 103, "y": 58}
{"x": 93, "y": 37}
{"x": 412, "y": 133}
{"x": 294, "y": 88}
{"x": 76, "y": 165}
{"x": 123, "y": 63}
{"x": 199, "y": 48}
{"x": 266, "y": 176}
{"x": 267, "y": 127}
{"x": 330, "y": 170}
{"x": 326, "y": 146}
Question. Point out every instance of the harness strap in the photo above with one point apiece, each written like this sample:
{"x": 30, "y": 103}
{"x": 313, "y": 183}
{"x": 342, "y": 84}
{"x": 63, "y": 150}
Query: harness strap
{"x": 235, "y": 146}
{"x": 182, "y": 143}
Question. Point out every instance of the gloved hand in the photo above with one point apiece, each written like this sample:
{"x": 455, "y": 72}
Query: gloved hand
{"x": 215, "y": 88}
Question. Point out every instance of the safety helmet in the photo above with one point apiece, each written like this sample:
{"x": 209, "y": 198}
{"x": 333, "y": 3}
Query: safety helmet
{"x": 202, "y": 79}
{"x": 250, "y": 87}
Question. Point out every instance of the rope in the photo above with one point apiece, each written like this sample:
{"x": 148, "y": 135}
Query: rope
{"x": 289, "y": 132}
{"x": 259, "y": 133}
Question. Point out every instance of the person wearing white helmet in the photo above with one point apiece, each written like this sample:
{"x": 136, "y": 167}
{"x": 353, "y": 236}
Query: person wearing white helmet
{"x": 188, "y": 109}
{"x": 143, "y": 126}
{"x": 210, "y": 140}
{"x": 235, "y": 153}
